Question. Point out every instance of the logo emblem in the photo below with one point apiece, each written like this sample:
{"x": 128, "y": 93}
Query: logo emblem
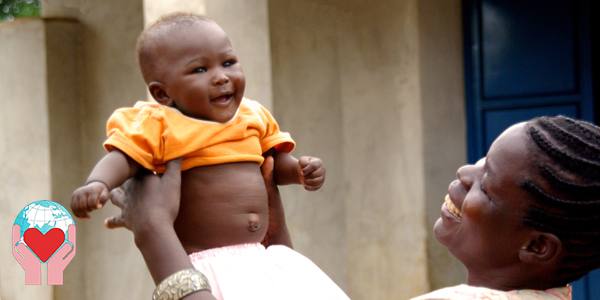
{"x": 44, "y": 232}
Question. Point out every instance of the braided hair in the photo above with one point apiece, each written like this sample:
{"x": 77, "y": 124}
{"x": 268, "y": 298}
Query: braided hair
{"x": 566, "y": 190}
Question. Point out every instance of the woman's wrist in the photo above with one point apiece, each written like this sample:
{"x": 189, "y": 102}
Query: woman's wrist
{"x": 162, "y": 251}
{"x": 152, "y": 230}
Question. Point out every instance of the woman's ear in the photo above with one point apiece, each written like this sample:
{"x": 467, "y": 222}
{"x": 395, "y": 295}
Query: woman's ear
{"x": 158, "y": 92}
{"x": 541, "y": 248}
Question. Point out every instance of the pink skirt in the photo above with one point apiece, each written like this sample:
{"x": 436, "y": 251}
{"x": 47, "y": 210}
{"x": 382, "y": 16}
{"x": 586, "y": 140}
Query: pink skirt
{"x": 249, "y": 271}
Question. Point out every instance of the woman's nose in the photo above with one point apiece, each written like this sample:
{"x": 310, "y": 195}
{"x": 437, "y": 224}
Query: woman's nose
{"x": 468, "y": 173}
{"x": 465, "y": 175}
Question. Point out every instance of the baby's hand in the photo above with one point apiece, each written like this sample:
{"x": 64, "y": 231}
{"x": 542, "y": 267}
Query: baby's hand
{"x": 312, "y": 172}
{"x": 89, "y": 197}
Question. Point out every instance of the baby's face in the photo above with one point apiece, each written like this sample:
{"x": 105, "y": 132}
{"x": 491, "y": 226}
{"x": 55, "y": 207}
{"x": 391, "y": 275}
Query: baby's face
{"x": 202, "y": 75}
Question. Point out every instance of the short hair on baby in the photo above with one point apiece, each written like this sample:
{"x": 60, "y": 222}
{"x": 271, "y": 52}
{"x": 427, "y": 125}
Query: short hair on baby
{"x": 145, "y": 42}
{"x": 567, "y": 158}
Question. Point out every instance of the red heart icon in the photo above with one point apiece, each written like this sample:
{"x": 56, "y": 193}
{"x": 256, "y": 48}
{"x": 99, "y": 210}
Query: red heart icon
{"x": 43, "y": 245}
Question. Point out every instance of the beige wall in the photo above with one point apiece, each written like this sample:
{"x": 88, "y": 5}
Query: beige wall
{"x": 108, "y": 78}
{"x": 442, "y": 92}
{"x": 307, "y": 102}
{"x": 383, "y": 152}
{"x": 354, "y": 83}
{"x": 24, "y": 142}
{"x": 63, "y": 46}
{"x": 374, "y": 88}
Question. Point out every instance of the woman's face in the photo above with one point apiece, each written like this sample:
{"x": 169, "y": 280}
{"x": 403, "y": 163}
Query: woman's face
{"x": 481, "y": 218}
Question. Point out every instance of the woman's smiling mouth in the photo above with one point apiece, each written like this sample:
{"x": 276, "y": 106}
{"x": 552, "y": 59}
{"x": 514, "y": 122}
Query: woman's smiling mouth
{"x": 451, "y": 208}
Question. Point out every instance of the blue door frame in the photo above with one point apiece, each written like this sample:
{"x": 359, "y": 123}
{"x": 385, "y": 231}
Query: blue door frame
{"x": 525, "y": 59}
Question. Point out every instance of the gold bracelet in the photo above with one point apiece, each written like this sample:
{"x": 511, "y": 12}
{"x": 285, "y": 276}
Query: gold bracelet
{"x": 181, "y": 284}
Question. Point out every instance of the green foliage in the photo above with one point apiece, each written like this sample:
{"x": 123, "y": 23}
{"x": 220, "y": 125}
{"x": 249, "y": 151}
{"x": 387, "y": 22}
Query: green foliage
{"x": 10, "y": 9}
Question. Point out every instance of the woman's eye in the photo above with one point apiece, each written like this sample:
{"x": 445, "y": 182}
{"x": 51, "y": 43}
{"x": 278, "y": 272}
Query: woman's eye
{"x": 482, "y": 187}
{"x": 229, "y": 63}
{"x": 200, "y": 70}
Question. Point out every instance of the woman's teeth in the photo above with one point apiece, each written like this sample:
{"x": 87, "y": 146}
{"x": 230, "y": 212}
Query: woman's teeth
{"x": 451, "y": 207}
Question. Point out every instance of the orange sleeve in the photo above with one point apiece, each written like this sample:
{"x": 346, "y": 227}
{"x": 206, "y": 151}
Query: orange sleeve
{"x": 138, "y": 133}
{"x": 273, "y": 137}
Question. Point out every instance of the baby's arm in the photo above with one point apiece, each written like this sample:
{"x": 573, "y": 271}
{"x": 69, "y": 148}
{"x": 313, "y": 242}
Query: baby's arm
{"x": 306, "y": 170}
{"x": 110, "y": 172}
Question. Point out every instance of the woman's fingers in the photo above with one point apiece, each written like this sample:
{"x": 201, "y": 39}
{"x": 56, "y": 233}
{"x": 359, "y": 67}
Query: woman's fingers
{"x": 267, "y": 170}
{"x": 117, "y": 197}
{"x": 173, "y": 172}
{"x": 114, "y": 222}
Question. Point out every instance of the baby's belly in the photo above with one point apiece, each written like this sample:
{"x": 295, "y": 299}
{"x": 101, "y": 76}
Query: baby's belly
{"x": 222, "y": 205}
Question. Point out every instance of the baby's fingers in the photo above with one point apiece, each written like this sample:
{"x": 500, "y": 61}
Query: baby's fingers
{"x": 313, "y": 184}
{"x": 309, "y": 164}
{"x": 318, "y": 172}
{"x": 77, "y": 205}
{"x": 104, "y": 197}
{"x": 92, "y": 202}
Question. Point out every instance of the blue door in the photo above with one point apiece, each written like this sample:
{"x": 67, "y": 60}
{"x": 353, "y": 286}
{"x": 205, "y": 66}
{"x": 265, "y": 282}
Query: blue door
{"x": 525, "y": 59}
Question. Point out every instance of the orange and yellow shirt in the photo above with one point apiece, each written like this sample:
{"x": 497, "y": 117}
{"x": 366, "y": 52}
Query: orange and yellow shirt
{"x": 153, "y": 134}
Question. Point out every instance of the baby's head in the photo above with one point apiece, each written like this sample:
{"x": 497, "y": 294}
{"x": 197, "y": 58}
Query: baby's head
{"x": 527, "y": 215}
{"x": 188, "y": 63}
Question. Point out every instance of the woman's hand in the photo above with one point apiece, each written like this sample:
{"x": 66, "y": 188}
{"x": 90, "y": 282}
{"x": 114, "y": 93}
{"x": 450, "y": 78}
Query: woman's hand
{"x": 147, "y": 203}
{"x": 149, "y": 206}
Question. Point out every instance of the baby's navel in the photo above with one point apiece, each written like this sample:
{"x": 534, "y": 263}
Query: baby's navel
{"x": 253, "y": 222}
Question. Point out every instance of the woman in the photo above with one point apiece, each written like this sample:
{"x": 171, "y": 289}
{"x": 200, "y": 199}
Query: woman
{"x": 523, "y": 220}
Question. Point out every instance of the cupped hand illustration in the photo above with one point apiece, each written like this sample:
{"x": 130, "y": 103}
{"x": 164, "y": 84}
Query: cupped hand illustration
{"x": 62, "y": 257}
{"x": 26, "y": 258}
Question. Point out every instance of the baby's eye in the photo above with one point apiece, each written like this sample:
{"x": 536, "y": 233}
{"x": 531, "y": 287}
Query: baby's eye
{"x": 229, "y": 63}
{"x": 199, "y": 70}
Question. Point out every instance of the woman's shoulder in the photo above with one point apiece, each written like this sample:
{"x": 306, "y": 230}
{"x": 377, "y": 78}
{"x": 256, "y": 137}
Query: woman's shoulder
{"x": 467, "y": 292}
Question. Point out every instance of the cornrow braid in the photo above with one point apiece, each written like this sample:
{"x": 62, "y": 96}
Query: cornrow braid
{"x": 569, "y": 135}
{"x": 531, "y": 187}
{"x": 589, "y": 131}
{"x": 566, "y": 189}
{"x": 569, "y": 160}
{"x": 567, "y": 223}
{"x": 581, "y": 190}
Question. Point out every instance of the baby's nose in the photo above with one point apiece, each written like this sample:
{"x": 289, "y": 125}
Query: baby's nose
{"x": 220, "y": 78}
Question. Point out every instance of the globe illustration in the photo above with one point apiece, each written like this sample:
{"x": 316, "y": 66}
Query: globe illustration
{"x": 44, "y": 215}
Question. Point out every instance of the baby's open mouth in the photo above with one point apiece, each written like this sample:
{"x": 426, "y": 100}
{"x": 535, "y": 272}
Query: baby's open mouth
{"x": 451, "y": 207}
{"x": 222, "y": 99}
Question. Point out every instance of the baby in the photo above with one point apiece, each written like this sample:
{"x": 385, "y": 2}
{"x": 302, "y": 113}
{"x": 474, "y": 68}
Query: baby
{"x": 192, "y": 71}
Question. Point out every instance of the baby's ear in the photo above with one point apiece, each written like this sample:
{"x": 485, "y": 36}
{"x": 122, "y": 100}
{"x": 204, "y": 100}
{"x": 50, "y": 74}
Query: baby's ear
{"x": 541, "y": 248}
{"x": 158, "y": 92}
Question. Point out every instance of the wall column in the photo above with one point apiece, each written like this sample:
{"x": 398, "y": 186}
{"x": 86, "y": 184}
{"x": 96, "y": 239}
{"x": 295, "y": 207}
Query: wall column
{"x": 40, "y": 143}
